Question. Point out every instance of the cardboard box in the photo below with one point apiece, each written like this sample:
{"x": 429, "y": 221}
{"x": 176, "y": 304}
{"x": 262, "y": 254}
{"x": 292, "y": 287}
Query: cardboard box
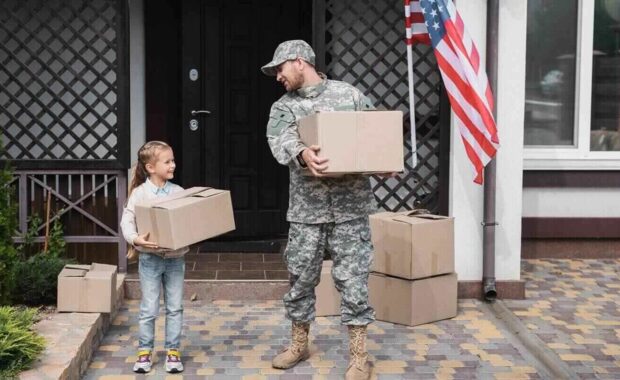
{"x": 411, "y": 245}
{"x": 356, "y": 142}
{"x": 413, "y": 302}
{"x": 327, "y": 297}
{"x": 87, "y": 288}
{"x": 186, "y": 217}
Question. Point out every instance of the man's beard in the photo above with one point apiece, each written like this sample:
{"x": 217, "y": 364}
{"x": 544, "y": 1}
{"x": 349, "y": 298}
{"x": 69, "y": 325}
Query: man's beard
{"x": 296, "y": 82}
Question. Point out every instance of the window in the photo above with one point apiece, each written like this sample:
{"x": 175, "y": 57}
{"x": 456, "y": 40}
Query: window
{"x": 572, "y": 95}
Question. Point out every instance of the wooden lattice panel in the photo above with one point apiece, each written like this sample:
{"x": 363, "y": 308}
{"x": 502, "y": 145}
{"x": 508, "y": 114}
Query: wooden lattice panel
{"x": 364, "y": 45}
{"x": 59, "y": 79}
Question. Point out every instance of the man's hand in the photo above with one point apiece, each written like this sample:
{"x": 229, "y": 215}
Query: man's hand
{"x": 142, "y": 241}
{"x": 315, "y": 164}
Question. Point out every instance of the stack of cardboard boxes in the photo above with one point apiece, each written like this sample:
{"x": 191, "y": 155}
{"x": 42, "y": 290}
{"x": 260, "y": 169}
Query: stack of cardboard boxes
{"x": 413, "y": 280}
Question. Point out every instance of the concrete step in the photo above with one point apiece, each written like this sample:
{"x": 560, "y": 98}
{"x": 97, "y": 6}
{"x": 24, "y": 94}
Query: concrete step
{"x": 70, "y": 339}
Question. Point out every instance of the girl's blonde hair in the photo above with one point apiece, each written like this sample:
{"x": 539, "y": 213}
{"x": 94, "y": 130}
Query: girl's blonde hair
{"x": 146, "y": 154}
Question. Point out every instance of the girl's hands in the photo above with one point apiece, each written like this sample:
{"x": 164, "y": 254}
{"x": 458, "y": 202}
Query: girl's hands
{"x": 142, "y": 241}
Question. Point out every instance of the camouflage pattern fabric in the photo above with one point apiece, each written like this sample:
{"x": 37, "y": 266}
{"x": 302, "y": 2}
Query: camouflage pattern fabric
{"x": 289, "y": 50}
{"x": 351, "y": 250}
{"x": 312, "y": 199}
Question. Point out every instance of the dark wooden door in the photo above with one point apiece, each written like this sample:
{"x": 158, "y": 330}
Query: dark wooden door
{"x": 223, "y": 142}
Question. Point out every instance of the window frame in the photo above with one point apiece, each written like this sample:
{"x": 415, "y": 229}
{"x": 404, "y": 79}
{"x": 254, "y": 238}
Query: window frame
{"x": 577, "y": 156}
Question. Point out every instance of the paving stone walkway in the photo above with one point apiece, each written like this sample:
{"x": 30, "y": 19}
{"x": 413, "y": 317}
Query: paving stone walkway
{"x": 573, "y": 306}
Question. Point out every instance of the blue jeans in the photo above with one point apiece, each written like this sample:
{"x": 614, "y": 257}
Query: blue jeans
{"x": 156, "y": 271}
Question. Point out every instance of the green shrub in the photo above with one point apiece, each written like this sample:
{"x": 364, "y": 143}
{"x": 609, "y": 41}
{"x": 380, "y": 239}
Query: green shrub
{"x": 56, "y": 244}
{"x": 36, "y": 277}
{"x": 8, "y": 226}
{"x": 19, "y": 344}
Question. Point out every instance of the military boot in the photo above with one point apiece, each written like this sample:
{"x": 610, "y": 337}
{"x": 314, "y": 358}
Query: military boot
{"x": 359, "y": 367}
{"x": 297, "y": 351}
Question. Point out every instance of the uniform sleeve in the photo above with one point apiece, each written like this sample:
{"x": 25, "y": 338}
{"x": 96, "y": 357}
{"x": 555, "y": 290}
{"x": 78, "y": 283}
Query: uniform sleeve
{"x": 128, "y": 220}
{"x": 282, "y": 135}
{"x": 362, "y": 102}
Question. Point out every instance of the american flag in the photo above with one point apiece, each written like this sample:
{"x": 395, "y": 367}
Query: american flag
{"x": 438, "y": 22}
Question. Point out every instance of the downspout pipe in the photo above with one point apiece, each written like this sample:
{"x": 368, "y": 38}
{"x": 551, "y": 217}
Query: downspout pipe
{"x": 488, "y": 225}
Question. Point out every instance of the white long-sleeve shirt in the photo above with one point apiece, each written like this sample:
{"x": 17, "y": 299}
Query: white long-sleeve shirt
{"x": 144, "y": 192}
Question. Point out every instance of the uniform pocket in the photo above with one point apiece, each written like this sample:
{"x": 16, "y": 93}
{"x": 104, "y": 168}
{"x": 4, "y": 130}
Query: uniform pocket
{"x": 278, "y": 120}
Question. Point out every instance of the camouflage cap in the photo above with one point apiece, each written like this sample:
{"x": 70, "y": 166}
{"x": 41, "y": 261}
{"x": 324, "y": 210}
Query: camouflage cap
{"x": 289, "y": 50}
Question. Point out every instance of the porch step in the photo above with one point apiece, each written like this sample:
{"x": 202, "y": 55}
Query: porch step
{"x": 70, "y": 339}
{"x": 210, "y": 290}
{"x": 253, "y": 246}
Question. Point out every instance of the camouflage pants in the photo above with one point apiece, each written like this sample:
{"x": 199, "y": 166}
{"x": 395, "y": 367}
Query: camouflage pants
{"x": 351, "y": 251}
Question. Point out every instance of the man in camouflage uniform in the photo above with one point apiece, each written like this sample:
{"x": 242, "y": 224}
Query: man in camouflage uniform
{"x": 326, "y": 214}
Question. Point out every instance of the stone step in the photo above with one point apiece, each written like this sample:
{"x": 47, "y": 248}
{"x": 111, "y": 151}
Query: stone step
{"x": 70, "y": 339}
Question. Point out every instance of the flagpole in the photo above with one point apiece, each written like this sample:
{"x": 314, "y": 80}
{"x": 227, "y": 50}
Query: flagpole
{"x": 414, "y": 148}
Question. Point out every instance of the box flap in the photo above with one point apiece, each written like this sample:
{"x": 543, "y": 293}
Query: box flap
{"x": 70, "y": 272}
{"x": 97, "y": 274}
{"x": 98, "y": 267}
{"x": 77, "y": 266}
{"x": 414, "y": 216}
{"x": 190, "y": 200}
{"x": 208, "y": 193}
{"x": 177, "y": 195}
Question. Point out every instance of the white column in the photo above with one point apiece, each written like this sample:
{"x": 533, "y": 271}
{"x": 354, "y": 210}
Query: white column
{"x": 136, "y": 77}
{"x": 510, "y": 118}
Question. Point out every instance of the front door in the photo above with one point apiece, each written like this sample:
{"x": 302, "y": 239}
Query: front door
{"x": 226, "y": 101}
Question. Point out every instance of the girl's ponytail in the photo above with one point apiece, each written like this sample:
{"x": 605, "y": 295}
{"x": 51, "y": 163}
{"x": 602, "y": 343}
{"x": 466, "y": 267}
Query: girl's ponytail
{"x": 138, "y": 176}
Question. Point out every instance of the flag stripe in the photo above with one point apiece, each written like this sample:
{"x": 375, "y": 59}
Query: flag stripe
{"x": 416, "y": 30}
{"x": 469, "y": 96}
{"x": 470, "y": 119}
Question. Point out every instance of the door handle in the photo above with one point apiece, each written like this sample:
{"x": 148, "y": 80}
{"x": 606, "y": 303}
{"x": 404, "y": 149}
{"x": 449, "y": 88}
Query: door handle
{"x": 198, "y": 112}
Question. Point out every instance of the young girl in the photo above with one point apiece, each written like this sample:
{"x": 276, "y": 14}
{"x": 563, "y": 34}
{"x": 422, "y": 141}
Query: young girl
{"x": 156, "y": 267}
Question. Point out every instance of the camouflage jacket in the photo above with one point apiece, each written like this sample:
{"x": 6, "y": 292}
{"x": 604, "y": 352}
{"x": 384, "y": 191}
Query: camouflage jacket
{"x": 315, "y": 200}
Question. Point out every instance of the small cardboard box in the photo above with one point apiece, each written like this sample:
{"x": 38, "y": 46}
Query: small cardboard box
{"x": 87, "y": 288}
{"x": 327, "y": 297}
{"x": 186, "y": 217}
{"x": 356, "y": 142}
{"x": 413, "y": 302}
{"x": 412, "y": 245}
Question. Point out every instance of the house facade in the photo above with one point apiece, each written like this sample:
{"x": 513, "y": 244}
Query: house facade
{"x": 86, "y": 82}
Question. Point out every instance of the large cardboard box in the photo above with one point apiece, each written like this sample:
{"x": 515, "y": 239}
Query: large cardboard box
{"x": 327, "y": 297}
{"x": 411, "y": 245}
{"x": 356, "y": 142}
{"x": 186, "y": 217}
{"x": 413, "y": 302}
{"x": 87, "y": 288}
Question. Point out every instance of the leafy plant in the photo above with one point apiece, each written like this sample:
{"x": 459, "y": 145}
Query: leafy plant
{"x": 56, "y": 245}
{"x": 37, "y": 275}
{"x": 29, "y": 247}
{"x": 19, "y": 344}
